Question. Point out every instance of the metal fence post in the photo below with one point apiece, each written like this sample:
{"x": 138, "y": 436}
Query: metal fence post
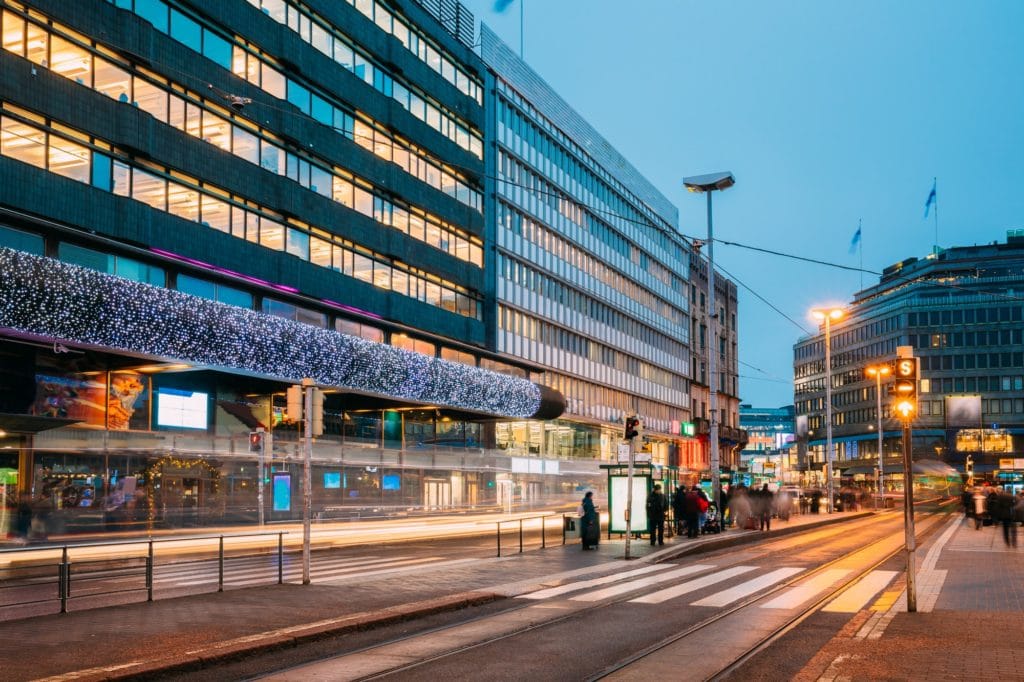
{"x": 64, "y": 580}
{"x": 149, "y": 572}
{"x": 220, "y": 566}
{"x": 520, "y": 536}
{"x": 543, "y": 532}
{"x": 280, "y": 558}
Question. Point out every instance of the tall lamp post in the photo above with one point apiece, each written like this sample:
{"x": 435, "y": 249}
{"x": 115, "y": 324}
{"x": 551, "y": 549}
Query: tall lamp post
{"x": 708, "y": 184}
{"x": 828, "y": 315}
{"x": 879, "y": 371}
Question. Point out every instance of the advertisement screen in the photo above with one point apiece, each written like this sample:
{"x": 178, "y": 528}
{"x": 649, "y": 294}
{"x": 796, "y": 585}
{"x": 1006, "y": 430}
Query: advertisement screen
{"x": 391, "y": 482}
{"x": 332, "y": 479}
{"x": 617, "y": 500}
{"x": 282, "y": 492}
{"x": 181, "y": 408}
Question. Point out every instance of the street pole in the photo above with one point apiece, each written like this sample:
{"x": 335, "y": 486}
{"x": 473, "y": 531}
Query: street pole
{"x": 908, "y": 516}
{"x": 716, "y": 481}
{"x": 878, "y": 396}
{"x": 828, "y": 411}
{"x": 307, "y": 480}
{"x": 629, "y": 497}
{"x": 259, "y": 476}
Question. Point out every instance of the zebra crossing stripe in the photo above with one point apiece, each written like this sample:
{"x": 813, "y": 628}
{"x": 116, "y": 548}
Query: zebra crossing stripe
{"x": 858, "y": 596}
{"x": 750, "y": 587}
{"x": 795, "y": 596}
{"x": 632, "y": 585}
{"x": 584, "y": 584}
{"x": 691, "y": 586}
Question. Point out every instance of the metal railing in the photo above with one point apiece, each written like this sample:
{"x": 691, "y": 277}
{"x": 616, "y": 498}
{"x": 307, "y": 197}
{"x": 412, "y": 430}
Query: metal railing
{"x": 543, "y": 529}
{"x": 112, "y": 574}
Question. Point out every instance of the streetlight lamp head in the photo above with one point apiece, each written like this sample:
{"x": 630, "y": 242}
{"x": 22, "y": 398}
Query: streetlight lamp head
{"x": 709, "y": 182}
{"x": 831, "y": 313}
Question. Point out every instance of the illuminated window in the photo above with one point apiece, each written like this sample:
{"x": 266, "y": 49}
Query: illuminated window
{"x": 70, "y": 60}
{"x": 362, "y": 268}
{"x": 183, "y": 201}
{"x": 22, "y": 142}
{"x": 271, "y": 234}
{"x": 69, "y": 159}
{"x": 111, "y": 80}
{"x": 216, "y": 213}
{"x": 12, "y": 28}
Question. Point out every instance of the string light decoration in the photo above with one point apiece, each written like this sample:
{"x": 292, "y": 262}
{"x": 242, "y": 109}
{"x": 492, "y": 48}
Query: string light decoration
{"x": 49, "y": 298}
{"x": 153, "y": 477}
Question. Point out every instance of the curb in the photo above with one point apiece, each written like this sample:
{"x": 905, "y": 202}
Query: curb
{"x": 238, "y": 648}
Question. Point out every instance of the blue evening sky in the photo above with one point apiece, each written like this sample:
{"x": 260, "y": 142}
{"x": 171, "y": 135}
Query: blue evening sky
{"x": 827, "y": 113}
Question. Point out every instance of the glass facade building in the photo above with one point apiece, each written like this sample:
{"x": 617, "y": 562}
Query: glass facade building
{"x": 591, "y": 276}
{"x": 960, "y": 312}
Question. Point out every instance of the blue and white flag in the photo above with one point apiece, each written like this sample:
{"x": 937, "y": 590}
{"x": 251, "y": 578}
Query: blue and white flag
{"x": 930, "y": 200}
{"x": 501, "y": 5}
{"x": 855, "y": 242}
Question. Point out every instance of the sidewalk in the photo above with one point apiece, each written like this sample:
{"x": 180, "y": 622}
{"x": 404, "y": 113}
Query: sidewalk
{"x": 123, "y": 641}
{"x": 969, "y": 622}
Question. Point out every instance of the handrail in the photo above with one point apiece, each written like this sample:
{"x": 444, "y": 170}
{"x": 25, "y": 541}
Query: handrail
{"x": 543, "y": 529}
{"x": 137, "y": 541}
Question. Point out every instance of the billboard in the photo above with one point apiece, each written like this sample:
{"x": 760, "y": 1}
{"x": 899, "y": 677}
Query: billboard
{"x": 963, "y": 411}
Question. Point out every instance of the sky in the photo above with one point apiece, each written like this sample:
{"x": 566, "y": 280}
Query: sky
{"x": 829, "y": 114}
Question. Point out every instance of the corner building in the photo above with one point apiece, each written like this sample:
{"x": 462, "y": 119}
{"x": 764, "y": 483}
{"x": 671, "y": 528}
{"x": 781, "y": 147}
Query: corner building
{"x": 203, "y": 202}
{"x": 590, "y": 275}
{"x": 960, "y": 310}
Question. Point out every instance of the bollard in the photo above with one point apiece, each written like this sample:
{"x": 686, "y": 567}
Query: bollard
{"x": 149, "y": 572}
{"x": 64, "y": 578}
{"x": 499, "y": 538}
{"x": 220, "y": 566}
{"x": 520, "y": 536}
{"x": 280, "y": 558}
{"x": 543, "y": 532}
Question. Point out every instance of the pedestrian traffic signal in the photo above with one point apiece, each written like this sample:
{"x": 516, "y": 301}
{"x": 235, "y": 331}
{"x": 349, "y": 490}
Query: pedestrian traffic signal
{"x": 632, "y": 427}
{"x": 905, "y": 387}
{"x": 255, "y": 441}
{"x": 294, "y": 403}
{"x": 318, "y": 412}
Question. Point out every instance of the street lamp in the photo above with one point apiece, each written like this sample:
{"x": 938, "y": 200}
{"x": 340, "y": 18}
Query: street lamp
{"x": 828, "y": 315}
{"x": 708, "y": 184}
{"x": 879, "y": 371}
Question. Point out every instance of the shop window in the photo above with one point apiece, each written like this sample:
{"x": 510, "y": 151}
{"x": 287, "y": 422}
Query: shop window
{"x": 214, "y": 292}
{"x": 453, "y": 355}
{"x": 137, "y": 271}
{"x": 79, "y": 255}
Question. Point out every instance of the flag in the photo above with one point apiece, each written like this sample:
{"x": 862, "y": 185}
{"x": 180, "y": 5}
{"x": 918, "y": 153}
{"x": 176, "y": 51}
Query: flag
{"x": 501, "y": 5}
{"x": 855, "y": 242}
{"x": 930, "y": 200}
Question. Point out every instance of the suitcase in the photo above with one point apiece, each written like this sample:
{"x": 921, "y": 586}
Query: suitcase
{"x": 751, "y": 524}
{"x": 591, "y": 534}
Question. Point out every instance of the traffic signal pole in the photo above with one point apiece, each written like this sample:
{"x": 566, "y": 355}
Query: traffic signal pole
{"x": 307, "y": 480}
{"x": 261, "y": 476}
{"x": 908, "y": 517}
{"x": 629, "y": 495}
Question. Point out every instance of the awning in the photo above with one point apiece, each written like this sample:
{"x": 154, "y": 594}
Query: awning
{"x": 30, "y": 423}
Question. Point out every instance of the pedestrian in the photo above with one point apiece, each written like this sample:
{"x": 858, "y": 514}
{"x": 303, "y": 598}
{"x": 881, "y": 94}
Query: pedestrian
{"x": 763, "y": 507}
{"x": 590, "y": 523}
{"x": 979, "y": 502}
{"x": 1002, "y": 511}
{"x": 691, "y": 508}
{"x": 678, "y": 510}
{"x": 703, "y": 504}
{"x": 656, "y": 508}
{"x": 967, "y": 500}
{"x": 1018, "y": 507}
{"x": 739, "y": 506}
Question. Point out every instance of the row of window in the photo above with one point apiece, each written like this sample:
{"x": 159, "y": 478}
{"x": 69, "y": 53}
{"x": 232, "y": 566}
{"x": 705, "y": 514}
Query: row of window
{"x": 968, "y": 316}
{"x": 525, "y": 187}
{"x": 541, "y": 331}
{"x": 525, "y": 129}
{"x": 596, "y": 401}
{"x": 972, "y": 361}
{"x": 532, "y": 231}
{"x": 531, "y": 279}
{"x": 323, "y": 36}
{"x": 248, "y": 62}
{"x": 1001, "y": 337}
{"x": 197, "y": 117}
{"x": 200, "y": 202}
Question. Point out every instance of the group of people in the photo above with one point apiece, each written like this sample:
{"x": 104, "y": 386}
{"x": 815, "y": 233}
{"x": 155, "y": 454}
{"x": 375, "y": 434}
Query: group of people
{"x": 994, "y": 505}
{"x": 752, "y": 509}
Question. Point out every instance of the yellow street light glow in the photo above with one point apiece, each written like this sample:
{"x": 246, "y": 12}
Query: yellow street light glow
{"x": 905, "y": 408}
{"x": 878, "y": 370}
{"x": 832, "y": 313}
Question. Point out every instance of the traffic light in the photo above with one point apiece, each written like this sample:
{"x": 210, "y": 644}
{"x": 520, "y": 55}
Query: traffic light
{"x": 295, "y": 403}
{"x": 632, "y": 428}
{"x": 318, "y": 412}
{"x": 905, "y": 387}
{"x": 255, "y": 441}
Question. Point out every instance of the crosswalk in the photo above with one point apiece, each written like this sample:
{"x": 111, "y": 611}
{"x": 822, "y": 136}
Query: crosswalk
{"x": 252, "y": 571}
{"x": 662, "y": 583}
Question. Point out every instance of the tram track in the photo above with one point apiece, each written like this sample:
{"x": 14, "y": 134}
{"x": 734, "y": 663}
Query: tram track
{"x": 821, "y": 538}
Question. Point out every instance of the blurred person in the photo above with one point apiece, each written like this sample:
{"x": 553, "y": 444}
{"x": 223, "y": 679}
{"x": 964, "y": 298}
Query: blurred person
{"x": 979, "y": 503}
{"x": 739, "y": 506}
{"x": 590, "y": 523}
{"x": 703, "y": 504}
{"x": 656, "y": 508}
{"x": 1002, "y": 511}
{"x": 967, "y": 500}
{"x": 763, "y": 507}
{"x": 691, "y": 509}
{"x": 678, "y": 508}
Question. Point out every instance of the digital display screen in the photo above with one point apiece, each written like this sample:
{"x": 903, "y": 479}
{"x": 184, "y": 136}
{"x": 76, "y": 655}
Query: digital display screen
{"x": 391, "y": 482}
{"x": 332, "y": 479}
{"x": 183, "y": 409}
{"x": 282, "y": 489}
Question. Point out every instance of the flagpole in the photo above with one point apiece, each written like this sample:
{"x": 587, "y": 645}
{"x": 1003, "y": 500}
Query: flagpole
{"x": 522, "y": 24}
{"x": 935, "y": 181}
{"x": 860, "y": 246}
